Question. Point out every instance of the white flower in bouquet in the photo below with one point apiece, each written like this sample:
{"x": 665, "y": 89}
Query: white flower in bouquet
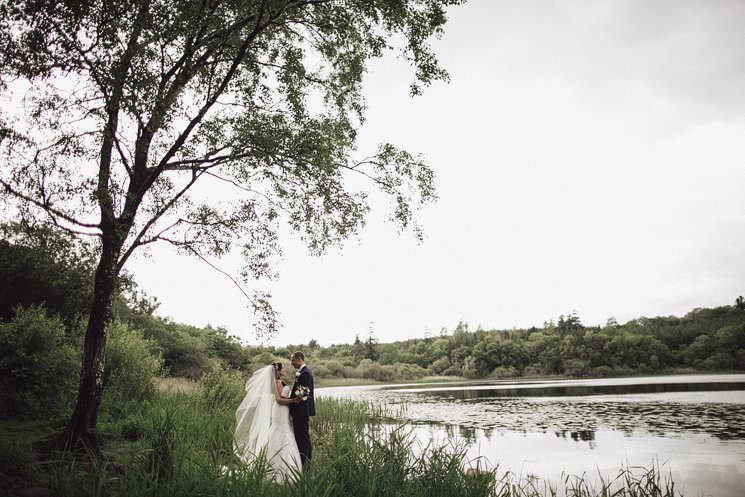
{"x": 302, "y": 392}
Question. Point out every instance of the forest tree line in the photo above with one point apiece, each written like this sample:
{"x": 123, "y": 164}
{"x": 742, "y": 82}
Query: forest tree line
{"x": 45, "y": 294}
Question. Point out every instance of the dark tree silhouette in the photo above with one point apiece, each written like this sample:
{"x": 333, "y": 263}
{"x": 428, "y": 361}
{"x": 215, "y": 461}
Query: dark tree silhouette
{"x": 204, "y": 124}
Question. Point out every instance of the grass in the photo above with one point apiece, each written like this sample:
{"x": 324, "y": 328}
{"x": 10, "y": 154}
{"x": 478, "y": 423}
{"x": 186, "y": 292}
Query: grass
{"x": 186, "y": 385}
{"x": 180, "y": 445}
{"x": 175, "y": 384}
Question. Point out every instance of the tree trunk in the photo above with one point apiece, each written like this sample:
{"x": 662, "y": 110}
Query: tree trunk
{"x": 81, "y": 430}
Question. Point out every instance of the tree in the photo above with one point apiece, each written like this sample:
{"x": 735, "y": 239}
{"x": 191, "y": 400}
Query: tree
{"x": 40, "y": 266}
{"x": 370, "y": 347}
{"x": 569, "y": 324}
{"x": 205, "y": 124}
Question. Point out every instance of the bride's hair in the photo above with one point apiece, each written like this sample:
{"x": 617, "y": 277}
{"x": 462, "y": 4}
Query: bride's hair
{"x": 277, "y": 369}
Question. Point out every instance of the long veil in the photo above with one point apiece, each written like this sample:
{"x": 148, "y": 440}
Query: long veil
{"x": 254, "y": 415}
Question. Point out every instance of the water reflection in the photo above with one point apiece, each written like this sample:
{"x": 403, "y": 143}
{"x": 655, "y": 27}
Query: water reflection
{"x": 499, "y": 391}
{"x": 694, "y": 423}
{"x": 582, "y": 435}
{"x": 669, "y": 407}
{"x": 664, "y": 416}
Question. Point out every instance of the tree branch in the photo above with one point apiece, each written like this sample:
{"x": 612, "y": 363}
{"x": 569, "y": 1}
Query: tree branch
{"x": 122, "y": 156}
{"x": 194, "y": 251}
{"x": 138, "y": 239}
{"x": 45, "y": 206}
{"x": 205, "y": 108}
{"x": 374, "y": 179}
{"x": 105, "y": 201}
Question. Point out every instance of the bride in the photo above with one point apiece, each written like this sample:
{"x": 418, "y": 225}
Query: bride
{"x": 263, "y": 424}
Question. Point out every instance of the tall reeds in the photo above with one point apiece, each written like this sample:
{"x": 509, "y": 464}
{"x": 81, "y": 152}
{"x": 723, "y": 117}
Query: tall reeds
{"x": 180, "y": 445}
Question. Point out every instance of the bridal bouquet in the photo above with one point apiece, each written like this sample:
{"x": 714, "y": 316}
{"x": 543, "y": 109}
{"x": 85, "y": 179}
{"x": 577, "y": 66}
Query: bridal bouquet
{"x": 302, "y": 391}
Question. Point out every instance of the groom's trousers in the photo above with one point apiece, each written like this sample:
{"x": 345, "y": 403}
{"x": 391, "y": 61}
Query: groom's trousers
{"x": 302, "y": 438}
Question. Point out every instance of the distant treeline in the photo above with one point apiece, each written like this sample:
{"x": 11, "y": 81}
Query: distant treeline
{"x": 702, "y": 340}
{"x": 51, "y": 273}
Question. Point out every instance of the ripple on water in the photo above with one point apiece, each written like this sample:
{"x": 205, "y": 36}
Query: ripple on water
{"x": 717, "y": 413}
{"x": 700, "y": 435}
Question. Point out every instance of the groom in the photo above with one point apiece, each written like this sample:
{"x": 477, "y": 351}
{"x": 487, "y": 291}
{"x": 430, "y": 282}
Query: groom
{"x": 302, "y": 410}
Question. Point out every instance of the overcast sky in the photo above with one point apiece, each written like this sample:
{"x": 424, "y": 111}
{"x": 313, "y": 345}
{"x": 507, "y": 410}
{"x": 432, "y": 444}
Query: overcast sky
{"x": 590, "y": 156}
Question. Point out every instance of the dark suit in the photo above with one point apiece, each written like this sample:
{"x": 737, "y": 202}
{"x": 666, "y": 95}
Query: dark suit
{"x": 300, "y": 413}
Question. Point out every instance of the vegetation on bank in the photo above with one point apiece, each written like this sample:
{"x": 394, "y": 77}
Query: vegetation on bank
{"x": 51, "y": 273}
{"x": 180, "y": 444}
{"x": 178, "y": 440}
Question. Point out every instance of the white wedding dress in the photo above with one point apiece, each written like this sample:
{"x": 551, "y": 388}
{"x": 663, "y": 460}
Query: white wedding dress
{"x": 264, "y": 429}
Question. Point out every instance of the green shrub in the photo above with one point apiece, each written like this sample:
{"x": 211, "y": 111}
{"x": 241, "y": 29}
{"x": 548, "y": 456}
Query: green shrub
{"x": 504, "y": 372}
{"x": 440, "y": 365}
{"x": 187, "y": 356}
{"x": 17, "y": 458}
{"x": 321, "y": 371}
{"x": 471, "y": 368}
{"x": 374, "y": 371}
{"x": 331, "y": 369}
{"x": 39, "y": 366}
{"x": 719, "y": 361}
{"x": 221, "y": 389}
{"x": 132, "y": 428}
{"x": 602, "y": 372}
{"x": 531, "y": 370}
{"x": 406, "y": 371}
{"x": 453, "y": 370}
{"x": 41, "y": 265}
{"x": 576, "y": 367}
{"x": 129, "y": 370}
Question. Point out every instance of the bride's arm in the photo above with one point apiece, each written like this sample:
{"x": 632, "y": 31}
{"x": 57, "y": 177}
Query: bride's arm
{"x": 278, "y": 396}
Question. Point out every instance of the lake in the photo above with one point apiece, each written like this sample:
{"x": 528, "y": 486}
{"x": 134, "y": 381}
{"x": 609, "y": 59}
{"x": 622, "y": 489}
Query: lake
{"x": 691, "y": 426}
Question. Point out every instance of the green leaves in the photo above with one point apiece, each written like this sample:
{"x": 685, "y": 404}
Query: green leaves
{"x": 209, "y": 124}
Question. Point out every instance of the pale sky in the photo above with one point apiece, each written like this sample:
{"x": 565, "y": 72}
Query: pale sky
{"x": 590, "y": 155}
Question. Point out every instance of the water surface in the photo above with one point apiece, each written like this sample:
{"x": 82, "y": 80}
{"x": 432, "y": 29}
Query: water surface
{"x": 691, "y": 426}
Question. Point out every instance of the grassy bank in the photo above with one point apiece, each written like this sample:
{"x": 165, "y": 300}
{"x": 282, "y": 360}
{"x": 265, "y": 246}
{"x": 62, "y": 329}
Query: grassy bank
{"x": 180, "y": 445}
{"x": 348, "y": 382}
{"x": 351, "y": 382}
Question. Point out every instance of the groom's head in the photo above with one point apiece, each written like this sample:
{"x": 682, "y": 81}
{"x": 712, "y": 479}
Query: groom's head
{"x": 297, "y": 359}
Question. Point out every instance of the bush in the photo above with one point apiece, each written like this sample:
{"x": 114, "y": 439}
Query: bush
{"x": 17, "y": 460}
{"x": 221, "y": 389}
{"x": 440, "y": 365}
{"x": 331, "y": 369}
{"x": 621, "y": 370}
{"x": 321, "y": 371}
{"x": 406, "y": 371}
{"x": 39, "y": 366}
{"x": 129, "y": 370}
{"x": 532, "y": 370}
{"x": 720, "y": 361}
{"x": 132, "y": 428}
{"x": 43, "y": 266}
{"x": 740, "y": 357}
{"x": 471, "y": 368}
{"x": 504, "y": 372}
{"x": 186, "y": 355}
{"x": 576, "y": 367}
{"x": 453, "y": 370}
{"x": 602, "y": 372}
{"x": 335, "y": 369}
{"x": 374, "y": 371}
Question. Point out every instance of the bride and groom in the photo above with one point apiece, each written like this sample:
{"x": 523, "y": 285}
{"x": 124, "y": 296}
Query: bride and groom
{"x": 272, "y": 419}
